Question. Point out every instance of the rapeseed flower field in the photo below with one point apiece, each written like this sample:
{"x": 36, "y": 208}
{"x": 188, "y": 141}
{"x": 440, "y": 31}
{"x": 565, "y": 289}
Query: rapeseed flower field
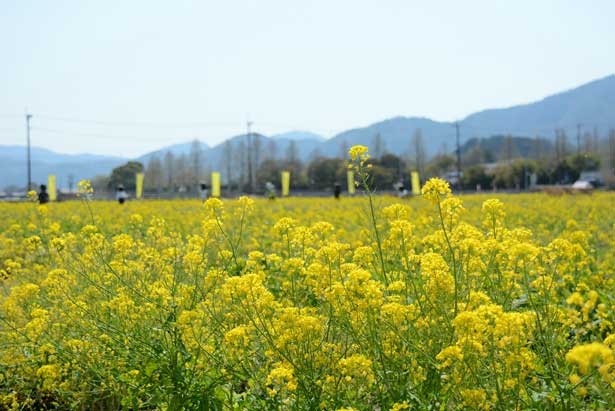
{"x": 482, "y": 302}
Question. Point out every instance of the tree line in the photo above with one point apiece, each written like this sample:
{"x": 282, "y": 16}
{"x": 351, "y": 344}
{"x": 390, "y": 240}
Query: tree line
{"x": 503, "y": 161}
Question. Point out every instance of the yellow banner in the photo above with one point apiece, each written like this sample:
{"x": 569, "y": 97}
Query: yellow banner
{"x": 285, "y": 183}
{"x": 350, "y": 178}
{"x": 139, "y": 190}
{"x": 215, "y": 184}
{"x": 416, "y": 183}
{"x": 51, "y": 187}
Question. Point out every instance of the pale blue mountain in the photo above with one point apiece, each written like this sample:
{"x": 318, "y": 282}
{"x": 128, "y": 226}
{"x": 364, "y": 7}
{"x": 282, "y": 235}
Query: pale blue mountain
{"x": 45, "y": 162}
{"x": 396, "y": 134}
{"x": 176, "y": 149}
{"x": 592, "y": 105}
{"x": 276, "y": 147}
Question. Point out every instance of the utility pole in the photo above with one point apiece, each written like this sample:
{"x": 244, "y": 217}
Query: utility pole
{"x": 579, "y": 125}
{"x": 28, "y": 117}
{"x": 458, "y": 156}
{"x": 249, "y": 149}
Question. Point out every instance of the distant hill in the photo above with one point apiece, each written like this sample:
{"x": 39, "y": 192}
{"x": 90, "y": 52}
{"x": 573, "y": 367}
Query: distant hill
{"x": 176, "y": 149}
{"x": 298, "y": 136}
{"x": 591, "y": 104}
{"x": 275, "y": 147}
{"x": 44, "y": 162}
{"x": 396, "y": 134}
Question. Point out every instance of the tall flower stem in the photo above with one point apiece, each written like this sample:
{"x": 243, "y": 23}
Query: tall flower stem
{"x": 372, "y": 212}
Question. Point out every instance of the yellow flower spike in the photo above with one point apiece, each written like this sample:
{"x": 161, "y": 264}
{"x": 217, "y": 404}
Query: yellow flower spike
{"x": 281, "y": 381}
{"x": 84, "y": 187}
{"x": 435, "y": 189}
{"x": 358, "y": 152}
{"x": 214, "y": 204}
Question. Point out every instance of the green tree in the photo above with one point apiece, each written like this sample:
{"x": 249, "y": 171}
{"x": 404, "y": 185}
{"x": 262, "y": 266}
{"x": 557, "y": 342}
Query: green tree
{"x": 385, "y": 171}
{"x": 474, "y": 176}
{"x": 515, "y": 174}
{"x": 323, "y": 173}
{"x": 125, "y": 175}
{"x": 439, "y": 165}
{"x": 269, "y": 170}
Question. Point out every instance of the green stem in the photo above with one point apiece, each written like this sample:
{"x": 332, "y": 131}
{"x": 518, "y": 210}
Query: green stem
{"x": 373, "y": 217}
{"x": 450, "y": 248}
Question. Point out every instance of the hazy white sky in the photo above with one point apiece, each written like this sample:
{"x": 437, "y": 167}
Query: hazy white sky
{"x": 127, "y": 77}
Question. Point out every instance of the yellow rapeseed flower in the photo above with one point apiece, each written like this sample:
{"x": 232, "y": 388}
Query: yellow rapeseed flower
{"x": 358, "y": 152}
{"x": 435, "y": 189}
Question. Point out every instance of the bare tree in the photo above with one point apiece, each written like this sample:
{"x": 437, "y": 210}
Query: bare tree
{"x": 378, "y": 146}
{"x": 183, "y": 172}
{"x": 590, "y": 141}
{"x": 418, "y": 150}
{"x": 272, "y": 150}
{"x": 196, "y": 157}
{"x": 443, "y": 149}
{"x": 169, "y": 169}
{"x": 292, "y": 152}
{"x": 314, "y": 154}
{"x": 343, "y": 149}
{"x": 561, "y": 144}
{"x": 153, "y": 174}
{"x": 508, "y": 148}
{"x": 228, "y": 160}
{"x": 257, "y": 148}
{"x": 537, "y": 148}
{"x": 241, "y": 160}
{"x": 475, "y": 154}
{"x": 71, "y": 182}
{"x": 595, "y": 140}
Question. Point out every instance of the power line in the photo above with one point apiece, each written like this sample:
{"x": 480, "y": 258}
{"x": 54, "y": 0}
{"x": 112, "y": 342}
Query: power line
{"x": 74, "y": 133}
{"x": 108, "y": 123}
{"x": 204, "y": 124}
{"x": 139, "y": 124}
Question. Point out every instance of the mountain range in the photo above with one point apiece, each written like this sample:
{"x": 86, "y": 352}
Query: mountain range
{"x": 592, "y": 105}
{"x": 66, "y": 167}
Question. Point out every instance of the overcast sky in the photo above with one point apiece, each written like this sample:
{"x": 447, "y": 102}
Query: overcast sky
{"x": 127, "y": 77}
